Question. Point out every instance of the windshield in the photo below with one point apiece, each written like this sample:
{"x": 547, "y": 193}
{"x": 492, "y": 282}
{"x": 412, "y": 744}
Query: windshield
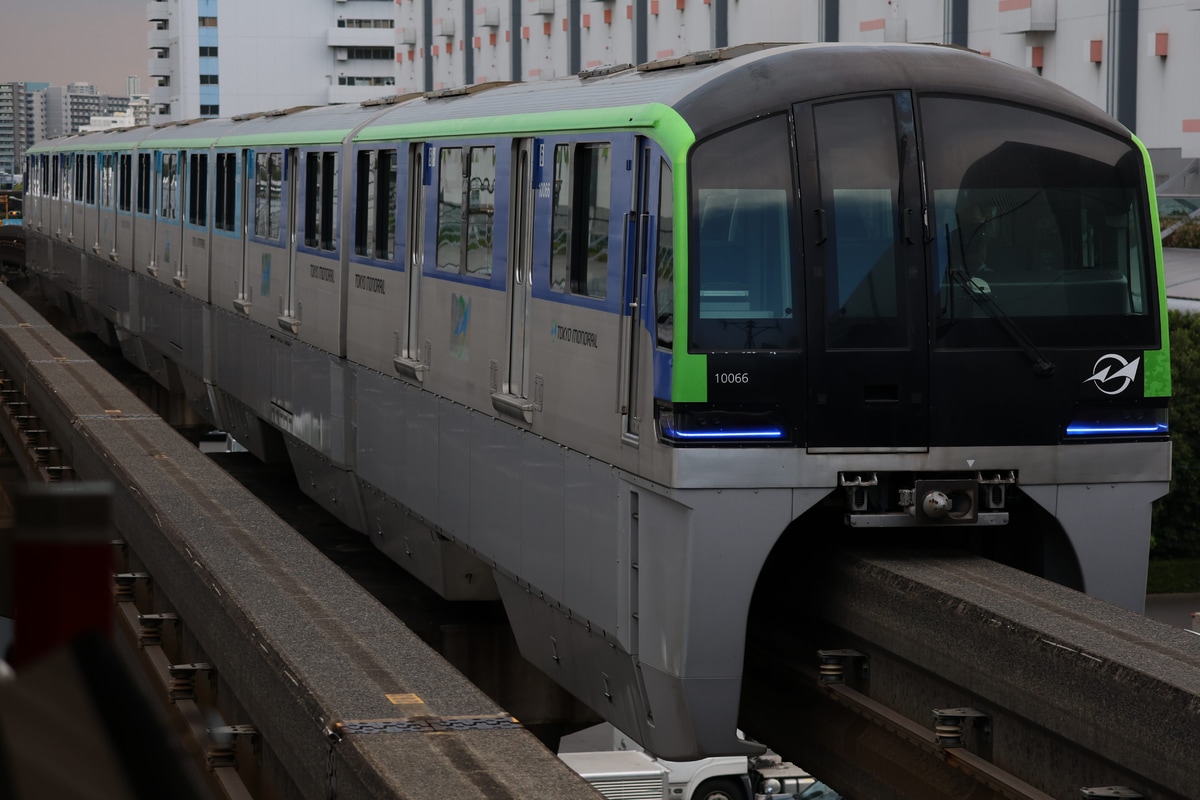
{"x": 1045, "y": 232}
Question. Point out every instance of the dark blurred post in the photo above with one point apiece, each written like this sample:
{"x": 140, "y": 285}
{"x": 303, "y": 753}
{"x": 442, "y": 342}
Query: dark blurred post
{"x": 61, "y": 566}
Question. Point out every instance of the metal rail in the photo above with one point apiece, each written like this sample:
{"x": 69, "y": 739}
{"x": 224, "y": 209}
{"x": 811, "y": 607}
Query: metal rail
{"x": 927, "y": 676}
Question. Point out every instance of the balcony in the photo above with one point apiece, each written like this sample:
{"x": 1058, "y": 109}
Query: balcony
{"x": 159, "y": 67}
{"x": 158, "y": 39}
{"x": 161, "y": 94}
{"x": 158, "y": 11}
{"x": 360, "y": 37}
{"x": 1027, "y": 16}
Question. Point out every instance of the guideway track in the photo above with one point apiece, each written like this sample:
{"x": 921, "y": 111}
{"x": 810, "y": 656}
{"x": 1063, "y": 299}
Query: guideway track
{"x": 344, "y": 700}
{"x": 1058, "y": 695}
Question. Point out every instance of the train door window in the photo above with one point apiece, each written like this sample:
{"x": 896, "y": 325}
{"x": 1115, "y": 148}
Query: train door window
{"x": 481, "y": 211}
{"x": 268, "y": 194}
{"x": 744, "y": 295}
{"x": 320, "y": 201}
{"x": 579, "y": 225}
{"x": 90, "y": 183}
{"x": 78, "y": 178}
{"x": 198, "y": 188}
{"x": 466, "y": 210}
{"x": 375, "y": 204}
{"x": 54, "y": 175}
{"x": 144, "y": 197}
{"x": 449, "y": 212}
{"x": 664, "y": 260}
{"x": 168, "y": 182}
{"x": 125, "y": 182}
{"x": 226, "y": 192}
{"x": 860, "y": 176}
{"x": 106, "y": 180}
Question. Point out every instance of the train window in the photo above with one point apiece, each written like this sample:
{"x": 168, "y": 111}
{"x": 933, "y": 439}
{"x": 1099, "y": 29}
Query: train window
{"x": 198, "y": 188}
{"x": 743, "y": 288}
{"x": 79, "y": 175}
{"x": 449, "y": 213}
{"x": 54, "y": 175}
{"x": 664, "y": 260}
{"x": 90, "y": 184}
{"x": 125, "y": 182}
{"x": 481, "y": 211}
{"x": 106, "y": 180}
{"x": 1045, "y": 215}
{"x": 168, "y": 185}
{"x": 579, "y": 225}
{"x": 466, "y": 210}
{"x": 375, "y": 204}
{"x": 268, "y": 194}
{"x": 144, "y": 196}
{"x": 320, "y": 201}
{"x": 226, "y": 192}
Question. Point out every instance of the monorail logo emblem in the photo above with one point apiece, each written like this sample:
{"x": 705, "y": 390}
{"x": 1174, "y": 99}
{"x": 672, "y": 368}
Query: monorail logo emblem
{"x": 1112, "y": 374}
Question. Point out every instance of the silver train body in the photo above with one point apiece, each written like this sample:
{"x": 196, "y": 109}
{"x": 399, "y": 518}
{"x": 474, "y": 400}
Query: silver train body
{"x": 501, "y": 435}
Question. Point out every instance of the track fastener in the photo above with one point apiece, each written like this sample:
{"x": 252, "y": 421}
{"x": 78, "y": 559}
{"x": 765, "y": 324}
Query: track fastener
{"x": 833, "y": 664}
{"x": 183, "y": 680}
{"x": 948, "y": 724}
{"x": 123, "y": 582}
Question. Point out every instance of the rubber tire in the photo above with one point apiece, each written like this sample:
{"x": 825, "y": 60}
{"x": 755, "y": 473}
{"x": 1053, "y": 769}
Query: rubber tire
{"x": 720, "y": 789}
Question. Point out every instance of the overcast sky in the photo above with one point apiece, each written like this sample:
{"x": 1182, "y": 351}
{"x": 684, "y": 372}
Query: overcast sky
{"x": 101, "y": 42}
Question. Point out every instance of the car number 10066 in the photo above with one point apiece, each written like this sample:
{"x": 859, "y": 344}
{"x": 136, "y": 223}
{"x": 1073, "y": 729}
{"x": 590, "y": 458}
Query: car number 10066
{"x": 732, "y": 377}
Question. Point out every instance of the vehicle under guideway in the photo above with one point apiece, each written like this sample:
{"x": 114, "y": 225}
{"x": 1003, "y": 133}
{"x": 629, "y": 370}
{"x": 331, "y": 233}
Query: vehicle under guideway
{"x": 597, "y": 346}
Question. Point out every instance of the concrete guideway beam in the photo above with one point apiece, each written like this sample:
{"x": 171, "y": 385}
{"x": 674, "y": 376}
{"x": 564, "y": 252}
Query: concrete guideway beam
{"x": 343, "y": 695}
{"x": 1072, "y": 692}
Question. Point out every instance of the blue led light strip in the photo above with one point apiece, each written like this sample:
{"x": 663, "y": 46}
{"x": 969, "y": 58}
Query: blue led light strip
{"x": 1077, "y": 429}
{"x": 767, "y": 433}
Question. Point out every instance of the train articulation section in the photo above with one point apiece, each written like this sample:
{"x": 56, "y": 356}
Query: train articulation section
{"x": 596, "y": 345}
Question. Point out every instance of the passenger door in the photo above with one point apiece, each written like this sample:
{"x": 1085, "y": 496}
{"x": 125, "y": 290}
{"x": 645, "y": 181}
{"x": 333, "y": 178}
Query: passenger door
{"x": 640, "y": 233}
{"x": 409, "y": 361}
{"x": 868, "y": 373}
{"x": 513, "y": 396}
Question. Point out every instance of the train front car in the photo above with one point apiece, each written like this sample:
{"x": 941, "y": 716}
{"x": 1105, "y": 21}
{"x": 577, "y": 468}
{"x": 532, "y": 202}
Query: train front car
{"x": 922, "y": 291}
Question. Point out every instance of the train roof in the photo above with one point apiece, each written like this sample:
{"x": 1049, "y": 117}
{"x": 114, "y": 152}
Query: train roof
{"x": 707, "y": 92}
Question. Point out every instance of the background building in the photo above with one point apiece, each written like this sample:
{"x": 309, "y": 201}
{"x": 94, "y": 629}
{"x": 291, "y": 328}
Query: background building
{"x": 13, "y": 128}
{"x": 1135, "y": 58}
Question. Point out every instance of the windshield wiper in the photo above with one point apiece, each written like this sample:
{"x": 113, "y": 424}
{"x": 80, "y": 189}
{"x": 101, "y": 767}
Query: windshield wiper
{"x": 982, "y": 297}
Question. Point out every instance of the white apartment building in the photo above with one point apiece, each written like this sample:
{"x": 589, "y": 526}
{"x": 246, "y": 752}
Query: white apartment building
{"x": 1135, "y": 58}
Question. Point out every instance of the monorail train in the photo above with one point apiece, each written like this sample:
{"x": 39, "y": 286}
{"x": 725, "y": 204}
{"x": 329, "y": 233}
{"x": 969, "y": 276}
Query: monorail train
{"x": 597, "y": 345}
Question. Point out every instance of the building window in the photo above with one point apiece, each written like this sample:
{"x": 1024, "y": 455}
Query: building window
{"x": 213, "y": 110}
{"x": 209, "y": 80}
{"x": 208, "y": 52}
{"x": 372, "y": 53}
{"x": 208, "y": 22}
{"x": 364, "y": 23}
{"x": 351, "y": 80}
{"x": 579, "y": 226}
{"x": 320, "y": 201}
{"x": 226, "y": 197}
{"x": 375, "y": 209}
